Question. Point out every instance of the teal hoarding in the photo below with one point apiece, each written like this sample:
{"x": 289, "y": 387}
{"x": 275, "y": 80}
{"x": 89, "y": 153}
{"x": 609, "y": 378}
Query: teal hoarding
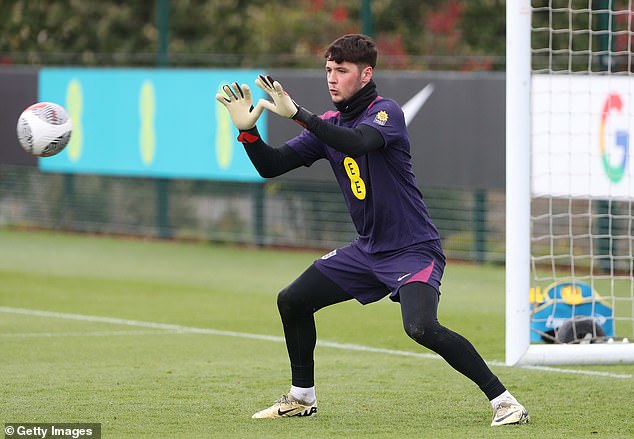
{"x": 149, "y": 122}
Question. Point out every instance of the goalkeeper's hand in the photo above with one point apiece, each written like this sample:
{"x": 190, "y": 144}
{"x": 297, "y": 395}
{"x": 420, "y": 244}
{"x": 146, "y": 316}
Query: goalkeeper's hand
{"x": 282, "y": 103}
{"x": 238, "y": 102}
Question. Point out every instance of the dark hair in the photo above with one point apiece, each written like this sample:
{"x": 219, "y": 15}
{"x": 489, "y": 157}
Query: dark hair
{"x": 355, "y": 48}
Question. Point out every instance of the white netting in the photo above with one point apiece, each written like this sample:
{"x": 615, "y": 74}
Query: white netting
{"x": 582, "y": 170}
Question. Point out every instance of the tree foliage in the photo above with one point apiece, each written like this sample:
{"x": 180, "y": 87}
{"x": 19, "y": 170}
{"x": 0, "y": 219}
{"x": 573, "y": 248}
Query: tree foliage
{"x": 410, "y": 33}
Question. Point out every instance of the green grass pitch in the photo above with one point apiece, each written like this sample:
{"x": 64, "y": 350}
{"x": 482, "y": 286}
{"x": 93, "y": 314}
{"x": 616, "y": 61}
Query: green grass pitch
{"x": 164, "y": 339}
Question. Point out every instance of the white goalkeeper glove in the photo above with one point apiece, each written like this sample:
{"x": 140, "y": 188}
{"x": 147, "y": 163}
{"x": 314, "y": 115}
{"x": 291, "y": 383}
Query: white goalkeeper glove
{"x": 239, "y": 104}
{"x": 282, "y": 103}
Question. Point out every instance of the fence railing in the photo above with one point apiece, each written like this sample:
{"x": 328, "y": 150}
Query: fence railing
{"x": 273, "y": 213}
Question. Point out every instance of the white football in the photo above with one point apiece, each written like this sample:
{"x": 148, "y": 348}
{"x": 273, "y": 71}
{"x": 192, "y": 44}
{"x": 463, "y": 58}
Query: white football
{"x": 44, "y": 129}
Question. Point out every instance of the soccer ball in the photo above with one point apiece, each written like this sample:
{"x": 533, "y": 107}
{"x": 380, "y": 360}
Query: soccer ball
{"x": 44, "y": 129}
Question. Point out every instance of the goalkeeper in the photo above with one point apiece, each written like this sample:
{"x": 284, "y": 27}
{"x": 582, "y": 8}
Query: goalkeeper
{"x": 397, "y": 251}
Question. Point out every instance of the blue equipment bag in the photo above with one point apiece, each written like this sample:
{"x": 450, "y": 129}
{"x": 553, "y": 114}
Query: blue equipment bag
{"x": 562, "y": 301}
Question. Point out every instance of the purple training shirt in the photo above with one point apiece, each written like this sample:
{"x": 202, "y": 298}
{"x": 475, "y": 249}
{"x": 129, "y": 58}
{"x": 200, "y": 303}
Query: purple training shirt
{"x": 379, "y": 187}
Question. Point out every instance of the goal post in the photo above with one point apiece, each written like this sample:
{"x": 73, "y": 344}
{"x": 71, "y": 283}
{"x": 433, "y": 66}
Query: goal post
{"x": 569, "y": 182}
{"x": 518, "y": 74}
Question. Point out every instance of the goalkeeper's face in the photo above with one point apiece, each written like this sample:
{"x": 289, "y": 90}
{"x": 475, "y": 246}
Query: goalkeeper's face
{"x": 345, "y": 79}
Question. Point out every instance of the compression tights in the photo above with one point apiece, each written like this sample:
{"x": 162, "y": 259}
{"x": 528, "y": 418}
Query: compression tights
{"x": 312, "y": 291}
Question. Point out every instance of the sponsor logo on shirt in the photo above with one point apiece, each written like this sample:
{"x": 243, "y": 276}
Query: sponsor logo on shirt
{"x": 381, "y": 118}
{"x": 357, "y": 185}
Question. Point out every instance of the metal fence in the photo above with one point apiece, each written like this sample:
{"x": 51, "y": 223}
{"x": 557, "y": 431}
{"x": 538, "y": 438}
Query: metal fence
{"x": 273, "y": 213}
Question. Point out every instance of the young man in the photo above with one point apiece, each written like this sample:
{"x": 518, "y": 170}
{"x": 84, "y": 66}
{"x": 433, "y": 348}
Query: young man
{"x": 398, "y": 250}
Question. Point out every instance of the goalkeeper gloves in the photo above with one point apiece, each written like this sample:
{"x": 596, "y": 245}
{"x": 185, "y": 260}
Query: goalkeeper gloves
{"x": 282, "y": 103}
{"x": 238, "y": 102}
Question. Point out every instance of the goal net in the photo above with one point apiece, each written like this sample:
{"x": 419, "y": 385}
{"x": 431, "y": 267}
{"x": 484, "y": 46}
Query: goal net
{"x": 570, "y": 182}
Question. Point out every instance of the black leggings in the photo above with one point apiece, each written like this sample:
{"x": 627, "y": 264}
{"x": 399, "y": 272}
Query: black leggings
{"x": 312, "y": 291}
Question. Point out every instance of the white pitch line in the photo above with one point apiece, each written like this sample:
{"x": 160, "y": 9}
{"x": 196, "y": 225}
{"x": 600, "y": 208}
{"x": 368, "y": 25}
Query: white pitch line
{"x": 179, "y": 329}
{"x": 138, "y": 323}
{"x": 84, "y": 334}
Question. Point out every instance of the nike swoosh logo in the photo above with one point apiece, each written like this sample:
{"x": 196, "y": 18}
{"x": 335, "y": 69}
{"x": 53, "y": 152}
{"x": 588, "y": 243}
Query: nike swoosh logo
{"x": 282, "y": 413}
{"x": 402, "y": 277}
{"x": 413, "y": 106}
{"x": 504, "y": 417}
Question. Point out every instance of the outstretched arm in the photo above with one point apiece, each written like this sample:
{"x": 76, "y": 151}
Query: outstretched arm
{"x": 268, "y": 161}
{"x": 353, "y": 142}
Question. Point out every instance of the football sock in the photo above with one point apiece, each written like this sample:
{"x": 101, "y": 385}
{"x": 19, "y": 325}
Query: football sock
{"x": 304, "y": 394}
{"x": 506, "y": 396}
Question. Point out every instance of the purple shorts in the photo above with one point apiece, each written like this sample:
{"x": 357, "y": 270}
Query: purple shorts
{"x": 369, "y": 277}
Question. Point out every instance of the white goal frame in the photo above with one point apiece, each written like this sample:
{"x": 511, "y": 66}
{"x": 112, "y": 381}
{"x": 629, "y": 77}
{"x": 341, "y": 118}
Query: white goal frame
{"x": 519, "y": 350}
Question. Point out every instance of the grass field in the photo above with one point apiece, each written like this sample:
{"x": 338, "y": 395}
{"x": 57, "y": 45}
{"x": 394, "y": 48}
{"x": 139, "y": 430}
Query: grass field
{"x": 163, "y": 339}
